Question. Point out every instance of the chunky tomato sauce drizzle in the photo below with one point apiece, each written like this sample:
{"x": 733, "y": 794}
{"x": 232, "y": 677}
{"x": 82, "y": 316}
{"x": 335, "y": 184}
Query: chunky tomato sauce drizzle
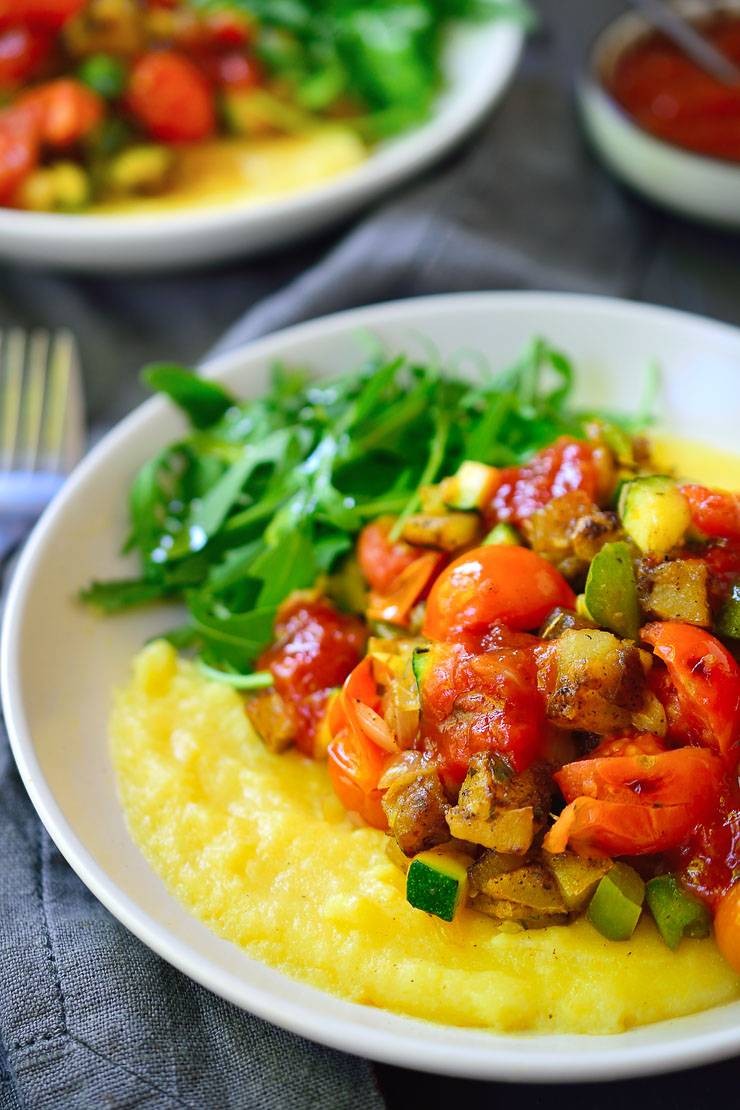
{"x": 667, "y": 94}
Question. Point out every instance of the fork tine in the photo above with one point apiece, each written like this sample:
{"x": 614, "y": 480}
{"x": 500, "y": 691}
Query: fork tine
{"x": 62, "y": 432}
{"x": 34, "y": 390}
{"x": 12, "y": 358}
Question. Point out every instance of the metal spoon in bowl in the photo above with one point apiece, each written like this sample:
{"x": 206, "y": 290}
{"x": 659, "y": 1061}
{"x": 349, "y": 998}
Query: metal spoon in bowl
{"x": 666, "y": 19}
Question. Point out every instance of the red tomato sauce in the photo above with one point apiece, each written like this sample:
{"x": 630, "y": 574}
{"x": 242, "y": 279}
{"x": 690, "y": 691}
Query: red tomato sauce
{"x": 667, "y": 94}
{"x": 316, "y": 649}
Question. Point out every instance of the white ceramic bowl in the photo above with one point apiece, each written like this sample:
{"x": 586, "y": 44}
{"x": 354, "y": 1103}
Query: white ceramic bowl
{"x": 707, "y": 189}
{"x": 60, "y": 661}
{"x": 479, "y": 61}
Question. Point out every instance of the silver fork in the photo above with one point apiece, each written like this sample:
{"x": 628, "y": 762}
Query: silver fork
{"x": 41, "y": 425}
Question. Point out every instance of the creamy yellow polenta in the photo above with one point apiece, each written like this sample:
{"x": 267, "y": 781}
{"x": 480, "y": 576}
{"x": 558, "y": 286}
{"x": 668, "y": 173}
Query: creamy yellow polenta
{"x": 257, "y": 847}
{"x": 238, "y": 171}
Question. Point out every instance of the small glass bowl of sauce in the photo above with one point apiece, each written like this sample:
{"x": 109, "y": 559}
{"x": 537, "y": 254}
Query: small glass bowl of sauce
{"x": 660, "y": 122}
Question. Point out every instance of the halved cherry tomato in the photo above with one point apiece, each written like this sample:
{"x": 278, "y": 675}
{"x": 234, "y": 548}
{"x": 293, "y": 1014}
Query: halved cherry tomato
{"x": 567, "y": 465}
{"x": 727, "y": 927}
{"x": 20, "y": 129}
{"x": 317, "y": 647}
{"x": 48, "y": 15}
{"x": 171, "y": 98}
{"x": 488, "y": 702}
{"x": 492, "y": 585}
{"x": 382, "y": 559}
{"x": 690, "y": 777}
{"x": 706, "y": 680}
{"x": 394, "y": 606}
{"x": 714, "y": 512}
{"x": 68, "y": 110}
{"x": 22, "y": 51}
{"x": 708, "y": 861}
{"x": 592, "y": 827}
{"x": 355, "y": 767}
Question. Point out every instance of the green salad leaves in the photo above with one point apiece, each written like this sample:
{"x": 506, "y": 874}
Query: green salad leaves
{"x": 261, "y": 498}
{"x": 384, "y": 55}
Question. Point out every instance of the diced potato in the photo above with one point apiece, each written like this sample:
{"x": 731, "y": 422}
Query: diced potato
{"x": 593, "y": 681}
{"x": 532, "y": 886}
{"x": 490, "y": 865}
{"x": 63, "y": 187}
{"x": 416, "y": 814}
{"x": 502, "y": 910}
{"x": 272, "y": 719}
{"x": 577, "y": 878}
{"x": 650, "y": 717}
{"x": 140, "y": 169}
{"x": 447, "y": 532}
{"x": 676, "y": 591}
{"x": 562, "y": 620}
{"x": 506, "y": 830}
{"x": 570, "y": 530}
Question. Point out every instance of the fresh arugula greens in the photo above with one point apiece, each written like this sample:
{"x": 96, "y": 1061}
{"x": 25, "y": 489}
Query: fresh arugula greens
{"x": 382, "y": 55}
{"x": 261, "y": 498}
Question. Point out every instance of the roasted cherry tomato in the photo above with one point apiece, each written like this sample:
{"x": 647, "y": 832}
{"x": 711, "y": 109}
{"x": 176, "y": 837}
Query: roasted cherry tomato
{"x": 684, "y": 776}
{"x": 20, "y": 129}
{"x": 567, "y": 465}
{"x": 22, "y": 51}
{"x": 709, "y": 860}
{"x": 714, "y": 512}
{"x": 171, "y": 98}
{"x": 706, "y": 680}
{"x": 592, "y": 827}
{"x": 494, "y": 585}
{"x": 381, "y": 559}
{"x": 355, "y": 766}
{"x": 316, "y": 648}
{"x": 68, "y": 110}
{"x": 487, "y": 702}
{"x": 47, "y": 15}
{"x": 727, "y": 927}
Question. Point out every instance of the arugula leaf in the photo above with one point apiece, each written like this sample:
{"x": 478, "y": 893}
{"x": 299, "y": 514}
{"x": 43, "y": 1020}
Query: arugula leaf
{"x": 270, "y": 496}
{"x": 203, "y": 401}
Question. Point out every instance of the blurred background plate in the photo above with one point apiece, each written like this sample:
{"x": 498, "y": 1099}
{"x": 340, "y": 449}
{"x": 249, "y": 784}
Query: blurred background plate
{"x": 479, "y": 62}
{"x": 61, "y": 662}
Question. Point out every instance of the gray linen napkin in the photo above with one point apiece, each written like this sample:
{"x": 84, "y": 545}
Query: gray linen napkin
{"x": 88, "y": 1016}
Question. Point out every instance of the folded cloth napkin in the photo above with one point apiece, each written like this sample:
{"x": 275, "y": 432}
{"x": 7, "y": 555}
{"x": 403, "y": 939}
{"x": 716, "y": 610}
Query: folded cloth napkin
{"x": 89, "y": 1017}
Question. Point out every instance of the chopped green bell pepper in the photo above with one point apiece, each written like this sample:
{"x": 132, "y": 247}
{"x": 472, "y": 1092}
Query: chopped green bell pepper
{"x": 611, "y": 591}
{"x": 676, "y": 913}
{"x": 104, "y": 74}
{"x": 616, "y": 906}
{"x": 728, "y": 620}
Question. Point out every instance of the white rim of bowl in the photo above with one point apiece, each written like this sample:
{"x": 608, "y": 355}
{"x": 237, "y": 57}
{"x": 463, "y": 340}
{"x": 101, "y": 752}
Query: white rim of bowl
{"x": 404, "y": 1045}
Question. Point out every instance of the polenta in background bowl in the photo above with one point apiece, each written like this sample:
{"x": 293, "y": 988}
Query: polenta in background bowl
{"x": 143, "y": 135}
{"x": 210, "y": 805}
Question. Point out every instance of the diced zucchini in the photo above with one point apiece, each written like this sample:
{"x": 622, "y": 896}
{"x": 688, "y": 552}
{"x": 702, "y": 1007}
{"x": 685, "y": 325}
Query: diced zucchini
{"x": 104, "y": 74}
{"x": 654, "y": 513}
{"x": 63, "y": 187}
{"x": 420, "y": 662}
{"x": 139, "y": 169}
{"x": 437, "y": 883}
{"x": 677, "y": 591}
{"x": 447, "y": 531}
{"x": 611, "y": 591}
{"x": 577, "y": 878}
{"x": 616, "y": 905}
{"x": 503, "y": 535}
{"x": 471, "y": 487}
{"x": 675, "y": 912}
{"x": 728, "y": 620}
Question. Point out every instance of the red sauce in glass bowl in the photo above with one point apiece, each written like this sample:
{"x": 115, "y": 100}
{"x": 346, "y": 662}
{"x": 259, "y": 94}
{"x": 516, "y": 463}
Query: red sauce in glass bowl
{"x": 671, "y": 97}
